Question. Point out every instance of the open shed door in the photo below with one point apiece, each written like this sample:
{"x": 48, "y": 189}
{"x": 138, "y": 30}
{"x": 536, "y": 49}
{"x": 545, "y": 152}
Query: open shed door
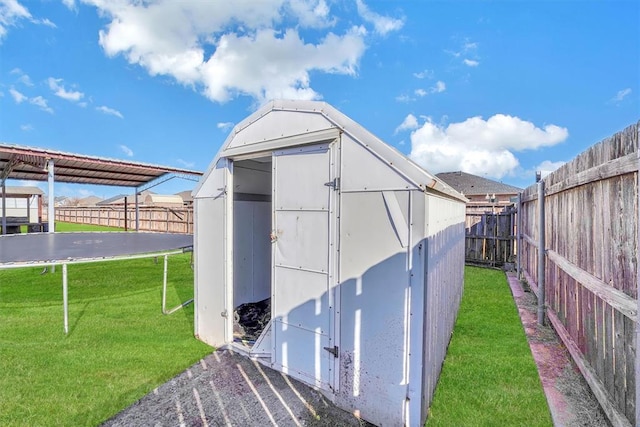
{"x": 212, "y": 256}
{"x": 303, "y": 187}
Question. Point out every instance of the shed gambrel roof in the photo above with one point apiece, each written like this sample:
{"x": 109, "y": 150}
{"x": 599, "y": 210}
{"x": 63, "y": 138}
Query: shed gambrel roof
{"x": 471, "y": 185}
{"x": 243, "y": 141}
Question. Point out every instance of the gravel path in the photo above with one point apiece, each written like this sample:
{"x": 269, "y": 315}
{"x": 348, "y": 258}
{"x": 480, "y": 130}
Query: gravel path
{"x": 226, "y": 389}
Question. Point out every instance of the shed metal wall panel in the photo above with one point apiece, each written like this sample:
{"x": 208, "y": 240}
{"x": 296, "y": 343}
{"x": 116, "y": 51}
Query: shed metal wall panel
{"x": 444, "y": 260}
{"x": 301, "y": 310}
{"x": 373, "y": 295}
{"x": 278, "y": 124}
{"x": 364, "y": 171}
{"x": 209, "y": 271}
{"x": 418, "y": 248}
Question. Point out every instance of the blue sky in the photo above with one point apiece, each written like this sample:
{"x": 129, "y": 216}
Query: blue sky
{"x": 498, "y": 89}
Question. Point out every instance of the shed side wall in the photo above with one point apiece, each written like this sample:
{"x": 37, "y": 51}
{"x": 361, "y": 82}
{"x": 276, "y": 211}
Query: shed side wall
{"x": 373, "y": 294}
{"x": 443, "y": 281}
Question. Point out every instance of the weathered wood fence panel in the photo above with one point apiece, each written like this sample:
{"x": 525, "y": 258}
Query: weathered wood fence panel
{"x": 591, "y": 275}
{"x": 490, "y": 237}
{"x": 161, "y": 219}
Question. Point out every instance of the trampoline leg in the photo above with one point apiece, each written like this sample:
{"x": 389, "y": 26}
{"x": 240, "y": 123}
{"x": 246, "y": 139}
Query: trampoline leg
{"x": 164, "y": 292}
{"x": 65, "y": 298}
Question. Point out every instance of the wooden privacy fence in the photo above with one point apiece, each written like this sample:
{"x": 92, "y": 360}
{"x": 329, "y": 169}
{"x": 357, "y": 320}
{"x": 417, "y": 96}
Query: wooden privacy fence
{"x": 490, "y": 237}
{"x": 161, "y": 219}
{"x": 589, "y": 276}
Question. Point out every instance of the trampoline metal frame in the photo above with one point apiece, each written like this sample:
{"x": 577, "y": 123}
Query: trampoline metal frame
{"x": 65, "y": 280}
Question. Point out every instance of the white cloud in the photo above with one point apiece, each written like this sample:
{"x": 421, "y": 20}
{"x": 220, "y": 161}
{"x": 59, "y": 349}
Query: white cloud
{"x": 404, "y": 98}
{"x": 230, "y": 49}
{"x": 439, "y": 87}
{"x": 10, "y": 13}
{"x": 38, "y": 101}
{"x": 18, "y": 96}
{"x": 185, "y": 163}
{"x": 42, "y": 103}
{"x": 478, "y": 146}
{"x": 424, "y": 74}
{"x": 71, "y": 4}
{"x": 224, "y": 126}
{"x": 547, "y": 166}
{"x": 468, "y": 50}
{"x": 622, "y": 94}
{"x": 126, "y": 150}
{"x": 409, "y": 123}
{"x": 110, "y": 111}
{"x": 46, "y": 22}
{"x": 59, "y": 90}
{"x": 26, "y": 127}
{"x": 382, "y": 24}
{"x": 22, "y": 77}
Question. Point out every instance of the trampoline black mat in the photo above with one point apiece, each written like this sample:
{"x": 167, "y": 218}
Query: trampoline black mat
{"x": 64, "y": 247}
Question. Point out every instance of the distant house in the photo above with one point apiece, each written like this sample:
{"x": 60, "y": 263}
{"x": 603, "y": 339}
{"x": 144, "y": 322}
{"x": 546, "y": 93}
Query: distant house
{"x": 483, "y": 194}
{"x": 119, "y": 200}
{"x": 164, "y": 200}
{"x": 187, "y": 198}
{"x": 89, "y": 201}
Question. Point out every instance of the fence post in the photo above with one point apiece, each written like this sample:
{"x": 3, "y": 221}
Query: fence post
{"x": 637, "y": 361}
{"x": 541, "y": 253}
{"x": 519, "y": 238}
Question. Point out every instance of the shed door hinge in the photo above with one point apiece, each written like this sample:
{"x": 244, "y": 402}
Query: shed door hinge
{"x": 333, "y": 350}
{"x": 335, "y": 184}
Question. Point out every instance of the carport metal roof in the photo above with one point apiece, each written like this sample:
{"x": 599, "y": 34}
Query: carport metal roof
{"x": 41, "y": 164}
{"x": 29, "y": 163}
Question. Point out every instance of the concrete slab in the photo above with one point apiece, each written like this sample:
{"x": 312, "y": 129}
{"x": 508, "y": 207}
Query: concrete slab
{"x": 227, "y": 389}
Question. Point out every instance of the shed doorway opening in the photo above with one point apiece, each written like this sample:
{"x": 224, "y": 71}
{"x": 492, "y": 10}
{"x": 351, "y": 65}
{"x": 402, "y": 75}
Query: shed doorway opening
{"x": 252, "y": 255}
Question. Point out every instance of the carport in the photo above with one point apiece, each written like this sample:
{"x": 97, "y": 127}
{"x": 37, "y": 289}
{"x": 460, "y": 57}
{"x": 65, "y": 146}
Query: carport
{"x": 21, "y": 162}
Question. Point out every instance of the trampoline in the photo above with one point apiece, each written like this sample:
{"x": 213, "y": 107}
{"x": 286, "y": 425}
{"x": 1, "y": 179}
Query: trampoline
{"x": 51, "y": 249}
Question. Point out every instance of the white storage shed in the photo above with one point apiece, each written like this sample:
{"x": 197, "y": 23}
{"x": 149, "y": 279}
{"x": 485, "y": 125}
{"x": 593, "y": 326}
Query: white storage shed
{"x": 355, "y": 253}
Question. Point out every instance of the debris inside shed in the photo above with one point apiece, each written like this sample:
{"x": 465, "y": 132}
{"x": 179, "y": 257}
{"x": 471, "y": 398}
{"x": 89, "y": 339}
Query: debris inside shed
{"x": 250, "y": 319}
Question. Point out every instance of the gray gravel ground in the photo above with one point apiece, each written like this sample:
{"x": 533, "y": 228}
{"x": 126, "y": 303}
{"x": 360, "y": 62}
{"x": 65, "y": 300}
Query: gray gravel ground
{"x": 226, "y": 389}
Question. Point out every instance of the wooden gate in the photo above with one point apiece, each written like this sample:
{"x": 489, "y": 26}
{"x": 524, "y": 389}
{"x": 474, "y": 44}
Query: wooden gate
{"x": 490, "y": 237}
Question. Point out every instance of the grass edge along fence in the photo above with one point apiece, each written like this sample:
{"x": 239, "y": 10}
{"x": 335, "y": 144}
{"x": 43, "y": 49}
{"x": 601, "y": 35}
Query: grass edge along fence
{"x": 583, "y": 265}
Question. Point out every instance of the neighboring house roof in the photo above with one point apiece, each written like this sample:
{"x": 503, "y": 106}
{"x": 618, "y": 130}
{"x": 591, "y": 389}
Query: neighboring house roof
{"x": 186, "y": 196}
{"x": 471, "y": 185}
{"x": 89, "y": 201}
{"x": 119, "y": 199}
{"x": 163, "y": 199}
{"x": 22, "y": 191}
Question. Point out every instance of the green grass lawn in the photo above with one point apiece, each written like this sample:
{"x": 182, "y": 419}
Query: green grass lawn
{"x": 489, "y": 377}
{"x": 120, "y": 346}
{"x": 67, "y": 226}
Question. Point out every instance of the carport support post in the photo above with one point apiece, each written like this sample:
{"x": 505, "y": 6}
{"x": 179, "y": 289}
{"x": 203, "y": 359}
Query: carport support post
{"x": 137, "y": 212}
{"x": 51, "y": 208}
{"x": 541, "y": 253}
{"x": 4, "y": 206}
